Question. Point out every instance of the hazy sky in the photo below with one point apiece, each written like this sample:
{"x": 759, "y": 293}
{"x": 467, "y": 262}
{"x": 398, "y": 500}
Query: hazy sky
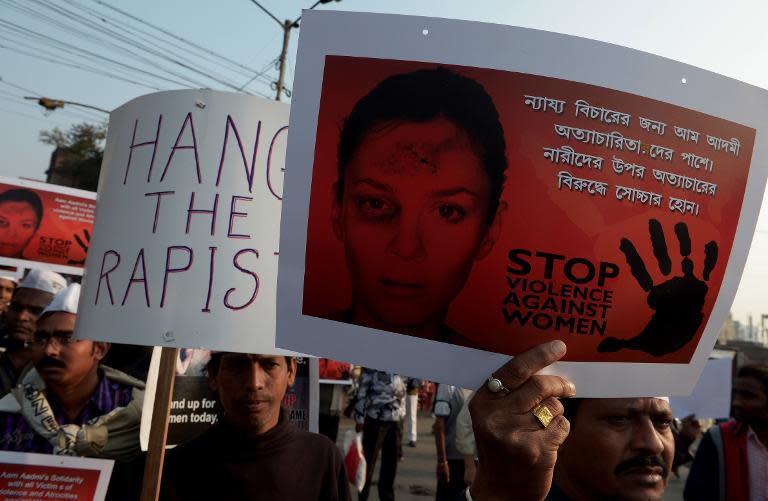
{"x": 725, "y": 37}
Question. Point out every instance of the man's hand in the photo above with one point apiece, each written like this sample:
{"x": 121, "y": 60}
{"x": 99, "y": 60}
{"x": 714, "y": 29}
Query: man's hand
{"x": 516, "y": 453}
{"x": 469, "y": 470}
{"x": 443, "y": 472}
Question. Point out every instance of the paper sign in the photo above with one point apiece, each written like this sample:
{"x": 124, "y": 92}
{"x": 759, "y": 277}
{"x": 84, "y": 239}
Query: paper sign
{"x": 711, "y": 397}
{"x": 44, "y": 226}
{"x": 185, "y": 246}
{"x": 459, "y": 193}
{"x": 194, "y": 406}
{"x": 43, "y": 476}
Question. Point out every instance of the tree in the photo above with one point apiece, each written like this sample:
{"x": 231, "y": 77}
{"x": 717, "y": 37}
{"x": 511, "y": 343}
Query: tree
{"x": 76, "y": 161}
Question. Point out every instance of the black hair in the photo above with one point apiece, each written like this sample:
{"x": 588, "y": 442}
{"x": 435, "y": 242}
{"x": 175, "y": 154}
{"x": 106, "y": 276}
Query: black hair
{"x": 27, "y": 196}
{"x": 212, "y": 367}
{"x": 757, "y": 371}
{"x": 425, "y": 95}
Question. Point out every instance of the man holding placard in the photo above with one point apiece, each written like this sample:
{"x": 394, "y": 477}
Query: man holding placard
{"x": 601, "y": 448}
{"x": 254, "y": 452}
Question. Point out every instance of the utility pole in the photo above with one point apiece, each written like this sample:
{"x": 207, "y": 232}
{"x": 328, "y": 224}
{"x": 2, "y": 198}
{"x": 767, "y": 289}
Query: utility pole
{"x": 287, "y": 26}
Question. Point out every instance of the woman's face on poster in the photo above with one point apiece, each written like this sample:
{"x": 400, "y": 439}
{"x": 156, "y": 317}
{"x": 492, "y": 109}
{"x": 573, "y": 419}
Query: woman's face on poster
{"x": 18, "y": 223}
{"x": 413, "y": 219}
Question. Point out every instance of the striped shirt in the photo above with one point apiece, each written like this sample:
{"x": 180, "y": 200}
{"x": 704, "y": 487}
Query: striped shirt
{"x": 17, "y": 435}
{"x": 757, "y": 455}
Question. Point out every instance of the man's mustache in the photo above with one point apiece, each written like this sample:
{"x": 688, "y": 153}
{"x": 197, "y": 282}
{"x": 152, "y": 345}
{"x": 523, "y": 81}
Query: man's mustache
{"x": 642, "y": 462}
{"x": 47, "y": 362}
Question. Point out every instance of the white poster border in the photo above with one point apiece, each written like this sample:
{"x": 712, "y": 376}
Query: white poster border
{"x": 526, "y": 51}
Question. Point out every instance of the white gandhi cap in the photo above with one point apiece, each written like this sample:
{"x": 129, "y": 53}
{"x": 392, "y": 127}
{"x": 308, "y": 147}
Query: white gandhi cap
{"x": 66, "y": 300}
{"x": 43, "y": 280}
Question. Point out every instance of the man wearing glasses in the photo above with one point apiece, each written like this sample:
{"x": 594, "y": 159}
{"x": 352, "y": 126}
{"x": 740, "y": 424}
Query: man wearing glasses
{"x": 70, "y": 404}
{"x": 29, "y": 299}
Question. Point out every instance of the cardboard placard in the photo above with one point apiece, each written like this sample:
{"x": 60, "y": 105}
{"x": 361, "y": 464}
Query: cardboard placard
{"x": 194, "y": 407}
{"x": 450, "y": 204}
{"x": 185, "y": 245}
{"x": 44, "y": 476}
{"x": 45, "y": 226}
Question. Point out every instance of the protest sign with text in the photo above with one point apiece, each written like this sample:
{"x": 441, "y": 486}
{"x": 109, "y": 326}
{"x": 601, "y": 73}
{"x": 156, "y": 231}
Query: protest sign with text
{"x": 469, "y": 203}
{"x": 185, "y": 245}
{"x": 194, "y": 405}
{"x": 44, "y": 225}
{"x": 44, "y": 476}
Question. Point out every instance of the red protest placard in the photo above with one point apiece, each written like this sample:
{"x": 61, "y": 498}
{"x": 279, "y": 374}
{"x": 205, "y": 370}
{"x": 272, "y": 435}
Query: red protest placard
{"x": 44, "y": 224}
{"x": 607, "y": 222}
{"x": 36, "y": 477}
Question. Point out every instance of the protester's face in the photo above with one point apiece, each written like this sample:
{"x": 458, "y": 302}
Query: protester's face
{"x": 6, "y": 293}
{"x": 60, "y": 360}
{"x": 251, "y": 389}
{"x": 750, "y": 402}
{"x": 18, "y": 222}
{"x": 26, "y": 306}
{"x": 618, "y": 449}
{"x": 413, "y": 219}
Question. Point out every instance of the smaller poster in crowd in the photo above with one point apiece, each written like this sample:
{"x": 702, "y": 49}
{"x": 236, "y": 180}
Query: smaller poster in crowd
{"x": 194, "y": 407}
{"x": 335, "y": 372}
{"x": 44, "y": 476}
{"x": 450, "y": 204}
{"x": 45, "y": 225}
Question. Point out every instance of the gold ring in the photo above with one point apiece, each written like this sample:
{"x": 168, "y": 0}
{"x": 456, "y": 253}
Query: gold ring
{"x": 543, "y": 414}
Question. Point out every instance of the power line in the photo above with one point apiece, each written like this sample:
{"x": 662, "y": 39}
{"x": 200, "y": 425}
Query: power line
{"x": 112, "y": 34}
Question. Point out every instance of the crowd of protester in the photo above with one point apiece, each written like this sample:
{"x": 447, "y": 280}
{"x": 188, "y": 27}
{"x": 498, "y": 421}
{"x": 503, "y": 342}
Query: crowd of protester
{"x": 519, "y": 436}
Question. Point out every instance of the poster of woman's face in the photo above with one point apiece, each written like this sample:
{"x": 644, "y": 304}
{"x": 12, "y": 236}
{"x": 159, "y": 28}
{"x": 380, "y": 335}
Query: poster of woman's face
{"x": 21, "y": 212}
{"x": 457, "y": 193}
{"x": 438, "y": 210}
{"x": 44, "y": 224}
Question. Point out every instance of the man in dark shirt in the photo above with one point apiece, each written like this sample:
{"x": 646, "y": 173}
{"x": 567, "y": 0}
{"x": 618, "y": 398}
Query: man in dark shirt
{"x": 253, "y": 451}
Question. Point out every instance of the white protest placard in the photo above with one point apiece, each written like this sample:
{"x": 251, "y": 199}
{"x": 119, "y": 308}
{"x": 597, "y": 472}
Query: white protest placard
{"x": 185, "y": 245}
{"x": 45, "y": 476}
{"x": 459, "y": 192}
{"x": 711, "y": 397}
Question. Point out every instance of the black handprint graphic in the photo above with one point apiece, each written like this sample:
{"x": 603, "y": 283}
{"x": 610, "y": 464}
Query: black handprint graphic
{"x": 677, "y": 302}
{"x": 83, "y": 245}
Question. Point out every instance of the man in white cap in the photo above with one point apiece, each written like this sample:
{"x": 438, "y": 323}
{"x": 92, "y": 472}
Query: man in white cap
{"x": 7, "y": 286}
{"x": 29, "y": 299}
{"x": 69, "y": 404}
{"x": 532, "y": 445}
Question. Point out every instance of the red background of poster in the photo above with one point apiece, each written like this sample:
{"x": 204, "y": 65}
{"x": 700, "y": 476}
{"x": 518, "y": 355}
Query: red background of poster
{"x": 54, "y": 242}
{"x": 539, "y": 217}
{"x": 334, "y": 370}
{"x": 84, "y": 491}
